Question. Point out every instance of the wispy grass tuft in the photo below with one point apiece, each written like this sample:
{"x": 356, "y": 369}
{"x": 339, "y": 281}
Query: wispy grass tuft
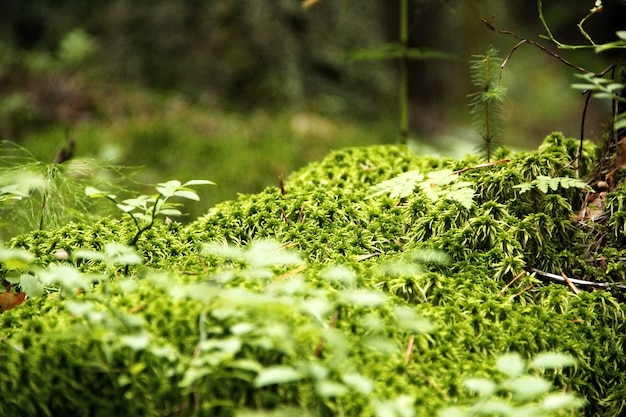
{"x": 39, "y": 195}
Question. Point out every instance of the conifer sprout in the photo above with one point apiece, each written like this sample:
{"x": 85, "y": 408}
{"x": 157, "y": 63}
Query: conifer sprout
{"x": 486, "y": 103}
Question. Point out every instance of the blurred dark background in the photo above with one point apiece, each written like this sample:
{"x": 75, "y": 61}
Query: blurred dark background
{"x": 241, "y": 91}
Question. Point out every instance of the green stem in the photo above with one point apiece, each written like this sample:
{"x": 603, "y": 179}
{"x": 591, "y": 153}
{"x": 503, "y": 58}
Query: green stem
{"x": 404, "y": 82}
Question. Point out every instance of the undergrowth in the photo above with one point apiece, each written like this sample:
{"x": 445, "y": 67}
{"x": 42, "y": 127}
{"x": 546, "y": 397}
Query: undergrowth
{"x": 368, "y": 302}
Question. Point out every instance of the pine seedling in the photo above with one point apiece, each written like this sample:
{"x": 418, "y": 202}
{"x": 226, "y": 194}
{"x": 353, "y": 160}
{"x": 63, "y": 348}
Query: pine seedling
{"x": 486, "y": 103}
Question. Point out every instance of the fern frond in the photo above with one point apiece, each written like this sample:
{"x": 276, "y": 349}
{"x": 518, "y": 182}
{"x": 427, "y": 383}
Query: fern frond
{"x": 400, "y": 186}
{"x": 544, "y": 184}
{"x": 437, "y": 185}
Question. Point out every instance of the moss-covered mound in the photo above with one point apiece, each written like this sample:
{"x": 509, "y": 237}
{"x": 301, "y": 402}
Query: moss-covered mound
{"x": 402, "y": 289}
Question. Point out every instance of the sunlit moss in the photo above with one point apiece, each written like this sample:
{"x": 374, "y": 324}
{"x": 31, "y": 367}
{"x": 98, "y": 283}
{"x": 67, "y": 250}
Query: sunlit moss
{"x": 481, "y": 303}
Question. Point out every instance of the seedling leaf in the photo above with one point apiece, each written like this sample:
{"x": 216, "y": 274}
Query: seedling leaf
{"x": 276, "y": 375}
{"x": 552, "y": 360}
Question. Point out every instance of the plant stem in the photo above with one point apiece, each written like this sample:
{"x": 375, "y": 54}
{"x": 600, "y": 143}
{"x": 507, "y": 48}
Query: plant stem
{"x": 404, "y": 81}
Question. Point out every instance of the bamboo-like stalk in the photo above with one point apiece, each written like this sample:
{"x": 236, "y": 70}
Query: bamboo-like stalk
{"x": 404, "y": 79}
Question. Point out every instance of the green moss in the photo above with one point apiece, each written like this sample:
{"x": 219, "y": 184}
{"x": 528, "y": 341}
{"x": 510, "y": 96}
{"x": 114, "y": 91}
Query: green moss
{"x": 214, "y": 324}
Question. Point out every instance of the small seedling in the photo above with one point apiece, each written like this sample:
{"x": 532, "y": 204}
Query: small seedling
{"x": 144, "y": 209}
{"x": 520, "y": 393}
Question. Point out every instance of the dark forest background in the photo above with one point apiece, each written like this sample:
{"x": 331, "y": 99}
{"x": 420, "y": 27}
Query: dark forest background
{"x": 243, "y": 91}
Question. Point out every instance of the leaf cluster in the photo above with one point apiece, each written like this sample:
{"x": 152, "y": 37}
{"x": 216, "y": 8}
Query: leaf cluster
{"x": 545, "y": 183}
{"x": 144, "y": 209}
{"x": 520, "y": 393}
{"x": 436, "y": 185}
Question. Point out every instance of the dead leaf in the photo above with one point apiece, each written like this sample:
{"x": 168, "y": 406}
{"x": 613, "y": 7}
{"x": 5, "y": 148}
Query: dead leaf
{"x": 621, "y": 153}
{"x": 308, "y": 3}
{"x": 9, "y": 300}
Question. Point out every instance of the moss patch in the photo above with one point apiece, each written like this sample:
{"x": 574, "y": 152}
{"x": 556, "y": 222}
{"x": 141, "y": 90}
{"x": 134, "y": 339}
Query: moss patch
{"x": 200, "y": 330}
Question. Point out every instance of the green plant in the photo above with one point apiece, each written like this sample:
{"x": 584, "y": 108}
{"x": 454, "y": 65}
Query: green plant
{"x": 442, "y": 184}
{"x": 520, "y": 393}
{"x": 36, "y": 195}
{"x": 608, "y": 83}
{"x": 545, "y": 183}
{"x": 144, "y": 209}
{"x": 486, "y": 103}
{"x": 599, "y": 87}
{"x": 366, "y": 318}
{"x": 403, "y": 53}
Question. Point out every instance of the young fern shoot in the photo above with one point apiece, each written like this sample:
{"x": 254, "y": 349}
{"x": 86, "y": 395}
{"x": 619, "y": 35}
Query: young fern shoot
{"x": 486, "y": 104}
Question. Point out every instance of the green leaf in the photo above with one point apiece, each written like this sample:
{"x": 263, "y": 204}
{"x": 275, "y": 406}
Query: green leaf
{"x": 136, "y": 341}
{"x": 339, "y": 274}
{"x": 199, "y": 291}
{"x": 412, "y": 321}
{"x": 93, "y": 192}
{"x": 561, "y": 401}
{"x": 167, "y": 189}
{"x": 441, "y": 177}
{"x": 89, "y": 254}
{"x": 358, "y": 382}
{"x": 198, "y": 182}
{"x": 452, "y": 412}
{"x": 126, "y": 208}
{"x": 430, "y": 256}
{"x": 584, "y": 87}
{"x": 552, "y": 360}
{"x": 15, "y": 259}
{"x": 463, "y": 196}
{"x": 524, "y": 187}
{"x": 542, "y": 183}
{"x": 403, "y": 406}
{"x": 481, "y": 386}
{"x": 194, "y": 374}
{"x": 118, "y": 254}
{"x": 545, "y": 183}
{"x": 363, "y": 298}
{"x": 327, "y": 388}
{"x": 170, "y": 212}
{"x": 66, "y": 276}
{"x": 188, "y": 194}
{"x": 263, "y": 253}
{"x": 31, "y": 285}
{"x": 511, "y": 364}
{"x": 140, "y": 202}
{"x": 528, "y": 387}
{"x": 496, "y": 407}
{"x": 279, "y": 374}
{"x": 400, "y": 186}
{"x": 79, "y": 308}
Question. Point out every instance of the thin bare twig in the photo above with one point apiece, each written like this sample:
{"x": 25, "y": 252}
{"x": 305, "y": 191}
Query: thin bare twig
{"x": 570, "y": 283}
{"x": 408, "y": 354}
{"x": 518, "y": 276}
{"x": 580, "y": 282}
{"x": 485, "y": 165}
{"x": 520, "y": 43}
{"x": 491, "y": 27}
{"x": 579, "y": 154}
{"x": 320, "y": 345}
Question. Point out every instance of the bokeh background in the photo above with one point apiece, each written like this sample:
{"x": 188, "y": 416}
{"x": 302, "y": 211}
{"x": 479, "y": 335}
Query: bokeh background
{"x": 241, "y": 91}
